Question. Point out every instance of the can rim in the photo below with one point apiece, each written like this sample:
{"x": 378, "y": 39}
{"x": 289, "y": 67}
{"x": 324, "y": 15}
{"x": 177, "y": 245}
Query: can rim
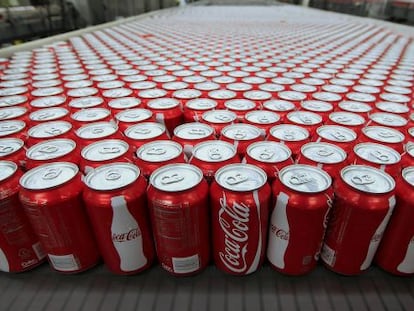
{"x": 32, "y": 149}
{"x": 341, "y": 151}
{"x": 88, "y": 148}
{"x": 11, "y": 165}
{"x": 327, "y": 178}
{"x": 171, "y": 143}
{"x": 279, "y": 145}
{"x": 215, "y": 142}
{"x": 187, "y": 166}
{"x": 255, "y": 168}
{"x": 378, "y": 147}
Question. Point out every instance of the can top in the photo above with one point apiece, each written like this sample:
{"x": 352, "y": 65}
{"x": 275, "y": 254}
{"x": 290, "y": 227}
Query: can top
{"x": 262, "y": 117}
{"x": 392, "y": 107}
{"x": 221, "y": 94}
{"x": 134, "y": 115}
{"x": 304, "y": 117}
{"x": 124, "y": 103}
{"x": 86, "y": 102}
{"x": 82, "y": 92}
{"x": 383, "y": 134}
{"x": 336, "y": 133}
{"x": 289, "y": 132}
{"x": 347, "y": 118}
{"x": 176, "y": 177}
{"x": 396, "y": 98}
{"x": 187, "y": 94}
{"x": 9, "y": 146}
{"x": 145, "y": 130}
{"x": 12, "y": 113}
{"x": 48, "y": 114}
{"x": 201, "y": 104}
{"x": 117, "y": 93}
{"x": 388, "y": 119}
{"x": 305, "y": 178}
{"x": 49, "y": 101}
{"x": 317, "y": 105}
{"x": 214, "y": 151}
{"x": 240, "y": 131}
{"x": 269, "y": 152}
{"x": 51, "y": 149}
{"x": 279, "y": 105}
{"x": 12, "y": 100}
{"x": 104, "y": 150}
{"x": 325, "y": 153}
{"x": 112, "y": 176}
{"x": 239, "y": 104}
{"x": 257, "y": 95}
{"x": 152, "y": 93}
{"x": 377, "y": 153}
{"x": 408, "y": 175}
{"x": 96, "y": 130}
{"x": 10, "y": 91}
{"x": 159, "y": 151}
{"x": 219, "y": 116}
{"x": 327, "y": 96}
{"x": 49, "y": 129}
{"x": 163, "y": 103}
{"x": 240, "y": 177}
{"x": 292, "y": 95}
{"x": 354, "y": 106}
{"x": 367, "y": 179}
{"x": 49, "y": 175}
{"x": 7, "y": 169}
{"x": 193, "y": 131}
{"x": 90, "y": 114}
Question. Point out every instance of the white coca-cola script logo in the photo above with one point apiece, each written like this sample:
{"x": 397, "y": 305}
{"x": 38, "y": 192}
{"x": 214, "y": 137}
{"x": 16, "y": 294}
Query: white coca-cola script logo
{"x": 280, "y": 233}
{"x": 234, "y": 221}
{"x": 126, "y": 236}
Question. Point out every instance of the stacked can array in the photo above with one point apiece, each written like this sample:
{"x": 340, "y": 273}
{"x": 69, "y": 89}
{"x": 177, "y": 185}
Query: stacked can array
{"x": 138, "y": 145}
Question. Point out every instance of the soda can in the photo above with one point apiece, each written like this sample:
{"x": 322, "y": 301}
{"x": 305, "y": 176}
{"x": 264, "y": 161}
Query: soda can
{"x": 46, "y": 92}
{"x": 97, "y": 131}
{"x": 190, "y": 134}
{"x": 385, "y": 136}
{"x": 395, "y": 253}
{"x": 379, "y": 156}
{"x": 258, "y": 97}
{"x": 221, "y": 96}
{"x": 395, "y": 108}
{"x": 322, "y": 108}
{"x": 306, "y": 89}
{"x": 362, "y": 109}
{"x": 13, "y": 150}
{"x": 82, "y": 92}
{"x": 85, "y": 103}
{"x": 51, "y": 195}
{"x": 281, "y": 107}
{"x": 306, "y": 119}
{"x": 129, "y": 117}
{"x": 387, "y": 119}
{"x": 15, "y": 91}
{"x": 13, "y": 129}
{"x": 218, "y": 119}
{"x": 241, "y": 136}
{"x": 326, "y": 156}
{"x": 364, "y": 202}
{"x": 349, "y": 120}
{"x": 292, "y": 96}
{"x": 14, "y": 113}
{"x": 186, "y": 95}
{"x": 338, "y": 135}
{"x": 49, "y": 130}
{"x": 53, "y": 150}
{"x": 153, "y": 155}
{"x": 142, "y": 133}
{"x": 329, "y": 97}
{"x": 120, "y": 104}
{"x": 115, "y": 198}
{"x": 407, "y": 158}
{"x": 121, "y": 92}
{"x": 240, "y": 107}
{"x": 240, "y": 199}
{"x": 20, "y": 249}
{"x": 395, "y": 98}
{"x": 178, "y": 194}
{"x": 262, "y": 119}
{"x": 303, "y": 198}
{"x": 48, "y": 115}
{"x": 194, "y": 109}
{"x": 239, "y": 88}
{"x": 211, "y": 155}
{"x": 90, "y": 115}
{"x": 16, "y": 100}
{"x": 292, "y": 136}
{"x": 167, "y": 111}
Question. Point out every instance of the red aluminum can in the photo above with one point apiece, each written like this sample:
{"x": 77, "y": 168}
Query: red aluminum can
{"x": 355, "y": 107}
{"x": 262, "y": 119}
{"x": 104, "y": 152}
{"x": 270, "y": 156}
{"x": 121, "y": 92}
{"x": 90, "y": 115}
{"x": 167, "y": 111}
{"x": 14, "y": 113}
{"x": 388, "y": 119}
{"x": 281, "y": 107}
{"x": 241, "y": 136}
{"x": 129, "y": 117}
{"x": 240, "y": 107}
{"x": 395, "y": 253}
{"x": 16, "y": 100}
{"x": 120, "y": 104}
{"x": 51, "y": 195}
{"x": 350, "y": 120}
{"x": 190, "y": 134}
{"x": 385, "y": 136}
{"x": 52, "y": 150}
{"x": 338, "y": 135}
{"x": 142, "y": 133}
{"x": 240, "y": 200}
{"x": 407, "y": 158}
{"x": 20, "y": 249}
{"x": 13, "y": 150}
{"x": 115, "y": 198}
{"x": 211, "y": 155}
{"x": 398, "y": 109}
{"x": 153, "y": 155}
{"x": 317, "y": 106}
{"x": 292, "y": 136}
{"x": 97, "y": 131}
{"x": 328, "y": 157}
{"x": 48, "y": 115}
{"x": 364, "y": 202}
{"x": 194, "y": 109}
{"x": 178, "y": 194}
{"x": 306, "y": 119}
{"x": 218, "y": 119}
{"x": 13, "y": 129}
{"x": 303, "y": 198}
{"x": 82, "y": 92}
{"x": 49, "y": 130}
{"x": 85, "y": 102}
{"x": 258, "y": 97}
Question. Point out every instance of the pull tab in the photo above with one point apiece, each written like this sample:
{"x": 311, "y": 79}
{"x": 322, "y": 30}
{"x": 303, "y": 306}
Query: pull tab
{"x": 338, "y": 136}
{"x": 8, "y": 128}
{"x": 214, "y": 154}
{"x": 156, "y": 151}
{"x": 109, "y": 150}
{"x": 343, "y": 119}
{"x": 48, "y": 149}
{"x": 6, "y": 149}
{"x": 171, "y": 179}
{"x": 299, "y": 179}
{"x": 97, "y": 131}
{"x": 203, "y": 104}
{"x": 386, "y": 134}
{"x": 132, "y": 115}
{"x": 198, "y": 132}
{"x": 388, "y": 119}
{"x": 222, "y": 117}
{"x": 51, "y": 173}
{"x": 143, "y": 131}
{"x": 305, "y": 119}
{"x": 266, "y": 154}
{"x": 91, "y": 115}
{"x": 112, "y": 175}
{"x": 4, "y": 114}
{"x": 263, "y": 119}
{"x": 324, "y": 152}
{"x": 236, "y": 179}
{"x": 54, "y": 131}
{"x": 363, "y": 180}
{"x": 289, "y": 135}
{"x": 240, "y": 134}
{"x": 380, "y": 156}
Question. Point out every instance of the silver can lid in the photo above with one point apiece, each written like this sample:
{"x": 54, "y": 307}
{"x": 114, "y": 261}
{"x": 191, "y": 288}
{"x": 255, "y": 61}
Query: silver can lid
{"x": 269, "y": 152}
{"x": 304, "y": 117}
{"x": 9, "y": 146}
{"x": 193, "y": 131}
{"x": 104, "y": 150}
{"x": 48, "y": 91}
{"x": 396, "y": 98}
{"x": 91, "y": 114}
{"x": 143, "y": 85}
{"x": 124, "y": 103}
{"x": 51, "y": 149}
{"x": 96, "y": 130}
{"x": 201, "y": 104}
{"x": 257, "y": 95}
{"x": 46, "y": 102}
{"x": 271, "y": 87}
{"x": 11, "y": 127}
{"x": 292, "y": 95}
{"x": 86, "y": 102}
{"x": 11, "y": 113}
{"x": 241, "y": 177}
{"x": 354, "y": 106}
{"x": 10, "y": 91}
{"x": 49, "y": 129}
{"x": 145, "y": 130}
{"x": 408, "y": 175}
{"x": 7, "y": 169}
{"x": 48, "y": 114}
{"x": 317, "y": 105}
{"x": 361, "y": 97}
{"x": 367, "y": 179}
{"x": 219, "y": 116}
{"x": 288, "y": 132}
{"x": 134, "y": 115}
{"x": 107, "y": 85}
{"x": 187, "y": 94}
{"x": 336, "y": 133}
{"x": 112, "y": 176}
{"x": 214, "y": 151}
{"x": 323, "y": 153}
{"x": 262, "y": 117}
{"x": 279, "y": 105}
{"x": 117, "y": 93}
{"x": 327, "y": 96}
{"x": 383, "y": 134}
{"x": 152, "y": 93}
{"x": 176, "y": 177}
{"x": 159, "y": 151}
{"x": 239, "y": 104}
{"x": 49, "y": 175}
{"x": 347, "y": 118}
{"x": 222, "y": 94}
{"x": 9, "y": 101}
{"x": 388, "y": 119}
{"x": 163, "y": 103}
{"x": 377, "y": 153}
{"x": 176, "y": 85}
{"x": 239, "y": 86}
{"x": 82, "y": 92}
{"x": 305, "y": 178}
{"x": 241, "y": 131}
{"x": 392, "y": 107}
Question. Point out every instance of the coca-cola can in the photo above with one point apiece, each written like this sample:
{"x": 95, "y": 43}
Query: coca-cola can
{"x": 407, "y": 158}
{"x": 306, "y": 119}
{"x": 364, "y": 202}
{"x": 20, "y": 249}
{"x": 190, "y": 134}
{"x": 240, "y": 200}
{"x": 48, "y": 115}
{"x": 395, "y": 108}
{"x": 167, "y": 111}
{"x": 211, "y": 155}
{"x": 362, "y": 109}
{"x": 328, "y": 157}
{"x": 142, "y": 133}
{"x": 13, "y": 150}
{"x": 104, "y": 152}
{"x": 51, "y": 195}
{"x": 338, "y": 135}
{"x": 194, "y": 109}
{"x": 13, "y": 129}
{"x": 97, "y": 131}
{"x": 388, "y": 120}
{"x": 218, "y": 119}
{"x": 15, "y": 100}
{"x": 85, "y": 102}
{"x": 241, "y": 136}
{"x": 52, "y": 150}
{"x": 385, "y": 136}
{"x": 90, "y": 115}
{"x": 14, "y": 113}
{"x": 350, "y": 120}
{"x": 115, "y": 198}
{"x": 303, "y": 197}
{"x": 317, "y": 106}
{"x": 395, "y": 253}
{"x": 49, "y": 130}
{"x": 292, "y": 136}
{"x": 178, "y": 194}
{"x": 129, "y": 117}
{"x": 270, "y": 156}
{"x": 281, "y": 107}
{"x": 262, "y": 119}
{"x": 151, "y": 156}
{"x": 120, "y": 104}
